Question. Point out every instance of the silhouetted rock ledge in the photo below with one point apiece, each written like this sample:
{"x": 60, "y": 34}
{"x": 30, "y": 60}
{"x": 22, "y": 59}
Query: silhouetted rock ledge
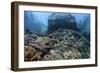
{"x": 62, "y": 44}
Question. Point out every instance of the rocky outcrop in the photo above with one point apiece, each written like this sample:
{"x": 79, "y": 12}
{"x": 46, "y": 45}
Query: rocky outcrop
{"x": 58, "y": 45}
{"x": 61, "y": 20}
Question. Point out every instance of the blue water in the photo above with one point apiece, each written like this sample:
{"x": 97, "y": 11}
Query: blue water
{"x": 37, "y": 22}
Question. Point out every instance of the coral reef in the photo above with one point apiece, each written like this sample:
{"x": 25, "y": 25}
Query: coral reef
{"x": 61, "y": 44}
